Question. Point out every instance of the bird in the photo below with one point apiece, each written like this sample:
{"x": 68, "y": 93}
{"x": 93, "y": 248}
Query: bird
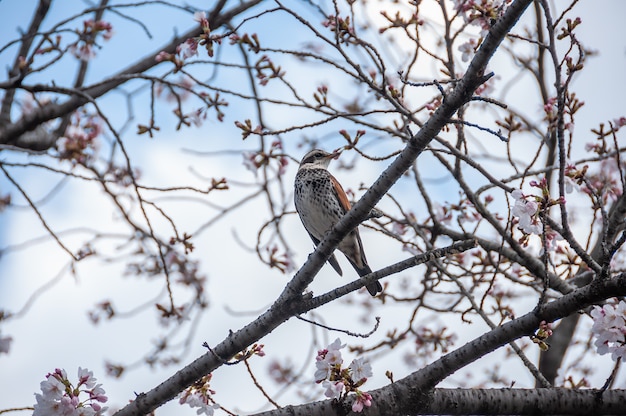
{"x": 321, "y": 202}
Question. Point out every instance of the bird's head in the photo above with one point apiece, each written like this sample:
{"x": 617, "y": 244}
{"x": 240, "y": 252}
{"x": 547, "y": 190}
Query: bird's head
{"x": 319, "y": 157}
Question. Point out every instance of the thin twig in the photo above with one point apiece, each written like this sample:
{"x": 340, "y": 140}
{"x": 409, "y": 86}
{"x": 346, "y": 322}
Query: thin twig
{"x": 38, "y": 213}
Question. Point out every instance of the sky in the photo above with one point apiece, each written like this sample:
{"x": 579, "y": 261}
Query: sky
{"x": 54, "y": 330}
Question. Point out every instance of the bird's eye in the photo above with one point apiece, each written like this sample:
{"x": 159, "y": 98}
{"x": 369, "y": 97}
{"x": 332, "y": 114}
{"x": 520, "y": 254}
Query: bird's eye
{"x": 313, "y": 157}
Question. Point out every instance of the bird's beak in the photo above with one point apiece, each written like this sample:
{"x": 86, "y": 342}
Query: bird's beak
{"x": 334, "y": 155}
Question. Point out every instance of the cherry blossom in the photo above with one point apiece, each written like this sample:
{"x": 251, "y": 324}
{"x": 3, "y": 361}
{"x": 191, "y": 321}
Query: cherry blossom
{"x": 201, "y": 18}
{"x": 162, "y": 56}
{"x": 254, "y": 160}
{"x": 526, "y": 212}
{"x": 326, "y": 358}
{"x": 196, "y": 399}
{"x": 52, "y": 388}
{"x": 60, "y": 397}
{"x": 338, "y": 381}
{"x": 333, "y": 389}
{"x": 333, "y": 355}
{"x": 200, "y": 395}
{"x": 79, "y": 144}
{"x": 619, "y": 122}
{"x": 84, "y": 48}
{"x": 84, "y": 52}
{"x": 609, "y": 328}
{"x": 467, "y": 49}
{"x": 322, "y": 370}
{"x": 360, "y": 369}
{"x": 363, "y": 399}
{"x": 187, "y": 49}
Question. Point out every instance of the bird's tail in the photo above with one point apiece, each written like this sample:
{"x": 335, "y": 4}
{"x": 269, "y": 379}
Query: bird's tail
{"x": 373, "y": 288}
{"x": 332, "y": 260}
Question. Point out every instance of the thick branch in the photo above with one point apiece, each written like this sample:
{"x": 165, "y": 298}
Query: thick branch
{"x": 526, "y": 402}
{"x": 414, "y": 393}
{"x": 501, "y": 402}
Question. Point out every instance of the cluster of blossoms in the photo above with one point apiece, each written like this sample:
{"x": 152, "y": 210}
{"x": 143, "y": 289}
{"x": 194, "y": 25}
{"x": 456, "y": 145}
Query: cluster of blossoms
{"x": 199, "y": 395}
{"x": 189, "y": 48}
{"x": 80, "y": 141}
{"x": 609, "y": 328}
{"x": 468, "y": 49}
{"x": 206, "y": 39}
{"x": 60, "y": 397}
{"x": 84, "y": 48}
{"x": 527, "y": 208}
{"x": 527, "y": 212}
{"x": 341, "y": 381}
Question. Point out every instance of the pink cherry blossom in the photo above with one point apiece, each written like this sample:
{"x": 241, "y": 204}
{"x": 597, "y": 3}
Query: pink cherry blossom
{"x": 360, "y": 369}
{"x": 467, "y": 49}
{"x": 333, "y": 389}
{"x": 200, "y": 395}
{"x": 526, "y": 212}
{"x": 188, "y": 48}
{"x": 60, "y": 397}
{"x": 322, "y": 370}
{"x": 363, "y": 400}
{"x": 609, "y": 328}
{"x": 202, "y": 402}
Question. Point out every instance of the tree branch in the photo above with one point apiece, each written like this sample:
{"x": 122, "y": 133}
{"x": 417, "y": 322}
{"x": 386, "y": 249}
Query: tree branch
{"x": 414, "y": 393}
{"x": 27, "y": 40}
{"x": 11, "y": 133}
{"x": 499, "y": 402}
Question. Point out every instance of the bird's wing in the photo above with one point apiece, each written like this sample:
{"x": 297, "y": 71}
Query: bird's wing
{"x": 364, "y": 269}
{"x": 345, "y": 204}
{"x": 341, "y": 194}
